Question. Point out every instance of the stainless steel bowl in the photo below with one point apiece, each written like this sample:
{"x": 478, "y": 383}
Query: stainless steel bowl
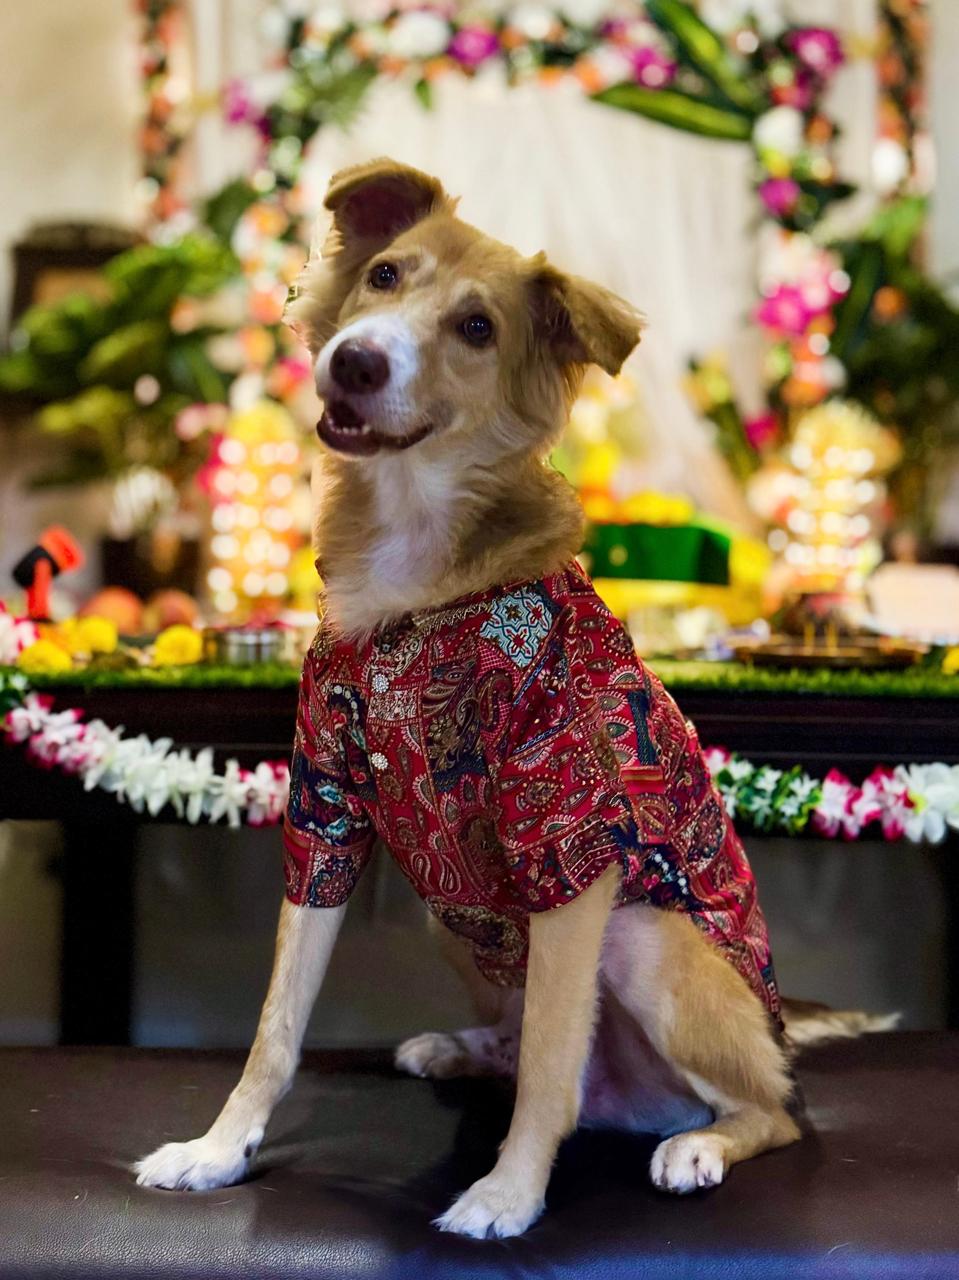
{"x": 245, "y": 646}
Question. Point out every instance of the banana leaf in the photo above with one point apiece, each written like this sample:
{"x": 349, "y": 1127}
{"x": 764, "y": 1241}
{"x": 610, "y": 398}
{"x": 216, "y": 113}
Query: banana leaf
{"x": 680, "y": 110}
{"x": 852, "y": 313}
{"x": 192, "y": 372}
{"x": 224, "y": 210}
{"x": 121, "y": 357}
{"x": 703, "y": 48}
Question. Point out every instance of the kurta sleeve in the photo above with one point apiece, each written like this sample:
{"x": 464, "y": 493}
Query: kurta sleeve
{"x": 563, "y": 816}
{"x": 327, "y": 836}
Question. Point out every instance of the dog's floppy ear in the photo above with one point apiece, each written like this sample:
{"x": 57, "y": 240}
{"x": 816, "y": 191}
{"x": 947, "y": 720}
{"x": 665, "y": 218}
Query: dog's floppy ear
{"x": 583, "y": 323}
{"x": 371, "y": 204}
{"x": 374, "y": 202}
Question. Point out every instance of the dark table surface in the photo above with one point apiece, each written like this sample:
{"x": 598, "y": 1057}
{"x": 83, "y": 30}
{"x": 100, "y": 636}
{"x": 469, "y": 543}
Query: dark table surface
{"x": 359, "y": 1160}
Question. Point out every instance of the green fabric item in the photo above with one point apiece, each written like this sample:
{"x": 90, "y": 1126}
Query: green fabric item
{"x": 659, "y": 553}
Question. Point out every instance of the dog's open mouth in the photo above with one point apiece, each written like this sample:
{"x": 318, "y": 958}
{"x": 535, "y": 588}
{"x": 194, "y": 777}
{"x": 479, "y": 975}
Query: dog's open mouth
{"x": 342, "y": 429}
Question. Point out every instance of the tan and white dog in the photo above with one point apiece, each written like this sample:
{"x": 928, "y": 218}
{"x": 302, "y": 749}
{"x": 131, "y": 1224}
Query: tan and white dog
{"x": 447, "y": 363}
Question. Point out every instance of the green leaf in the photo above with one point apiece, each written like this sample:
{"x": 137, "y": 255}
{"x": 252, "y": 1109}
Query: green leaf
{"x": 127, "y": 353}
{"x": 98, "y": 409}
{"x": 193, "y": 373}
{"x": 424, "y": 94}
{"x": 679, "y": 110}
{"x": 707, "y": 53}
{"x": 853, "y": 311}
{"x": 899, "y": 224}
{"x": 224, "y": 210}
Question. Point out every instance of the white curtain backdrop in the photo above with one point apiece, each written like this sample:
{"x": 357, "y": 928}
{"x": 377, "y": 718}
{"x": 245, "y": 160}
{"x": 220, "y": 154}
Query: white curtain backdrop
{"x": 664, "y": 218}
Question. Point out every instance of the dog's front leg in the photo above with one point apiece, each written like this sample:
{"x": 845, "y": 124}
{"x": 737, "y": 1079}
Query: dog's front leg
{"x": 221, "y": 1157}
{"x": 558, "y": 1017}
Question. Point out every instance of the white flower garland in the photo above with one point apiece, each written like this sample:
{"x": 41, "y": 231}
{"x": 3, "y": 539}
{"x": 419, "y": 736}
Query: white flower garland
{"x": 145, "y": 774}
{"x": 919, "y": 801}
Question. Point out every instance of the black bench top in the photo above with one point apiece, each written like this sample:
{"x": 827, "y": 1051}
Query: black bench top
{"x": 358, "y": 1160}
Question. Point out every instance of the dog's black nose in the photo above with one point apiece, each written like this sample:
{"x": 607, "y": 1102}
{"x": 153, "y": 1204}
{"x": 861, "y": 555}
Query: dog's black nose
{"x": 359, "y": 367}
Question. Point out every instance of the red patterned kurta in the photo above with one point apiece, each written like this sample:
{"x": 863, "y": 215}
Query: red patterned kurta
{"x": 507, "y": 748}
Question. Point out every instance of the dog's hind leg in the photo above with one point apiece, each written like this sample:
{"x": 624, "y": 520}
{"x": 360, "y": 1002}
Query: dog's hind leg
{"x": 703, "y": 1019}
{"x": 558, "y": 1017}
{"x": 490, "y": 1049}
{"x": 221, "y": 1157}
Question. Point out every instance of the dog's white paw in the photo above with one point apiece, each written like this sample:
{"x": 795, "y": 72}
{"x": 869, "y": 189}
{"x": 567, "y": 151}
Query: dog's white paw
{"x": 687, "y": 1162}
{"x": 492, "y": 1207}
{"x": 199, "y": 1165}
{"x": 434, "y": 1055}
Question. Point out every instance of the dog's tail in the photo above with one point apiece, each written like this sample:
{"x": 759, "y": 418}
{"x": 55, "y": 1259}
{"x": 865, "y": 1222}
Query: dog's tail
{"x": 808, "y": 1022}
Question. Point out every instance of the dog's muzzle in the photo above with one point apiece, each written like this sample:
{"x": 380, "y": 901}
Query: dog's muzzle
{"x": 359, "y": 367}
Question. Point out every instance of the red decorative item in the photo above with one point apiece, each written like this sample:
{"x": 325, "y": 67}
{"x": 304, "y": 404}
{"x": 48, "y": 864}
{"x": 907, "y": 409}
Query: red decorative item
{"x": 57, "y": 552}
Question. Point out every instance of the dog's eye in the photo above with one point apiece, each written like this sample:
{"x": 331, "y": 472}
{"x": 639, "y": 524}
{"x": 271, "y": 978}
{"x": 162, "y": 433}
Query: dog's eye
{"x": 384, "y": 276}
{"x": 477, "y": 330}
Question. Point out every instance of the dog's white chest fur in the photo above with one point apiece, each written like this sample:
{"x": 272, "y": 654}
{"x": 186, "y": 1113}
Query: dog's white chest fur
{"x": 414, "y": 509}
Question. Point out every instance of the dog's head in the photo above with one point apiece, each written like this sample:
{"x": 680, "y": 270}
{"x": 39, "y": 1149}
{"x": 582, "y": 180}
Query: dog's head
{"x": 424, "y": 329}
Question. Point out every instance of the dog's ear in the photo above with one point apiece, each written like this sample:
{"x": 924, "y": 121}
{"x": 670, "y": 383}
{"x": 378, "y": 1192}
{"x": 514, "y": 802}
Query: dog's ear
{"x": 582, "y": 323}
{"x": 371, "y": 204}
{"x": 374, "y": 202}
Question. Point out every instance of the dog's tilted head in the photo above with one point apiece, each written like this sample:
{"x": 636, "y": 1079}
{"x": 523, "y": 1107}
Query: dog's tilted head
{"x": 425, "y": 330}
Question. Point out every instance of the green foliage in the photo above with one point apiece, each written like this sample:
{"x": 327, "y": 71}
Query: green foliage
{"x": 680, "y": 110}
{"x": 327, "y": 92}
{"x": 897, "y": 333}
{"x": 718, "y": 677}
{"x": 701, "y": 48}
{"x": 223, "y": 210}
{"x": 79, "y": 360}
{"x": 921, "y": 681}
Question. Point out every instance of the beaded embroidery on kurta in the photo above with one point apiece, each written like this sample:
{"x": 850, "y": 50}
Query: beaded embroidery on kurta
{"x": 507, "y": 749}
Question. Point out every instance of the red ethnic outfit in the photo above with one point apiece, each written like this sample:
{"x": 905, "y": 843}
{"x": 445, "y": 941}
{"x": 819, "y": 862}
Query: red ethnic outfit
{"x": 507, "y": 748}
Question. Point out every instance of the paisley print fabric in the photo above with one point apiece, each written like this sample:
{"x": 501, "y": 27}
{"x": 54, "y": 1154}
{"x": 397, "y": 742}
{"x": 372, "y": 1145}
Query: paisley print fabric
{"x": 507, "y": 749}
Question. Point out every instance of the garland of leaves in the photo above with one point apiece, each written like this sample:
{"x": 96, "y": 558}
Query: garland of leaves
{"x": 918, "y": 801}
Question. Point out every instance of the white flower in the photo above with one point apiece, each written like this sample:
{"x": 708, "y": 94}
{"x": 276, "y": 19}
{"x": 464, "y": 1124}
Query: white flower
{"x": 533, "y": 20}
{"x": 612, "y": 66}
{"x": 419, "y": 34}
{"x": 780, "y": 130}
{"x": 137, "y": 772}
{"x": 15, "y": 635}
{"x": 190, "y": 783}
{"x": 767, "y": 779}
{"x": 27, "y": 719}
{"x": 57, "y": 738}
{"x": 717, "y": 758}
{"x": 367, "y": 11}
{"x": 264, "y": 89}
{"x": 102, "y": 744}
{"x": 729, "y": 801}
{"x": 728, "y": 15}
{"x": 740, "y": 770}
{"x": 585, "y": 13}
{"x": 268, "y": 789}
{"x": 934, "y": 791}
{"x": 228, "y": 795}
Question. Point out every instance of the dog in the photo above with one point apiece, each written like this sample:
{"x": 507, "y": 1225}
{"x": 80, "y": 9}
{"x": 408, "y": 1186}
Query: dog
{"x": 469, "y": 700}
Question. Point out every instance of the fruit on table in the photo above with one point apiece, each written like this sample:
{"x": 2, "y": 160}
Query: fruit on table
{"x": 169, "y": 608}
{"x": 118, "y": 604}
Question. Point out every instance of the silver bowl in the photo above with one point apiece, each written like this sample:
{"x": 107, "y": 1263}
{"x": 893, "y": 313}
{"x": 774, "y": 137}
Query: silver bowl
{"x": 245, "y": 646}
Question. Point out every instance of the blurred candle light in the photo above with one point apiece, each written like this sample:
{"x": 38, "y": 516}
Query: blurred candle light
{"x": 258, "y": 457}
